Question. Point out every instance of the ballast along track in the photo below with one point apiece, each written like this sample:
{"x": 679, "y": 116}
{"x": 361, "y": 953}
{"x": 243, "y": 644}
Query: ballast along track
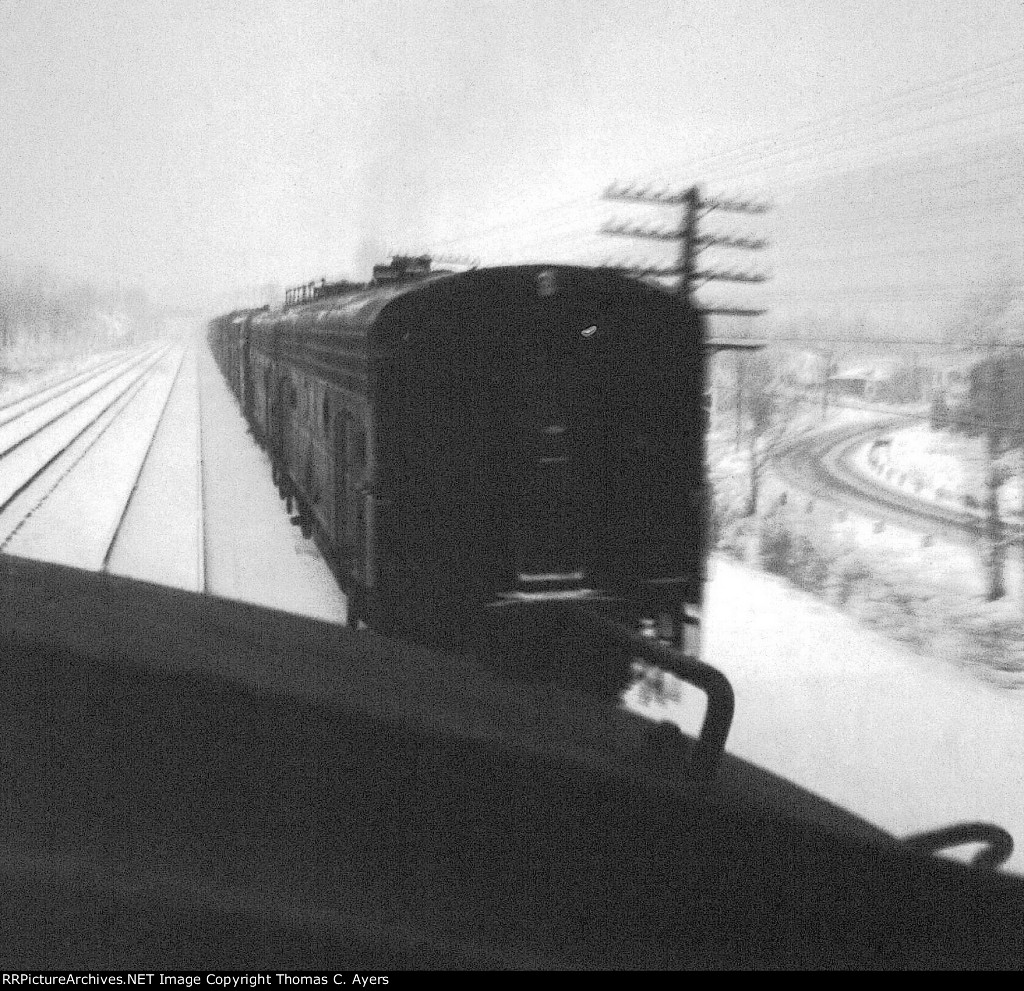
{"x": 821, "y": 466}
{"x": 78, "y": 472}
{"x": 38, "y": 442}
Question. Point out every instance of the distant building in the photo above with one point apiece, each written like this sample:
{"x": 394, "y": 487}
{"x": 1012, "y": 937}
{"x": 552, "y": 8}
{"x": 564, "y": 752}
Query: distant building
{"x": 860, "y": 383}
{"x": 883, "y": 380}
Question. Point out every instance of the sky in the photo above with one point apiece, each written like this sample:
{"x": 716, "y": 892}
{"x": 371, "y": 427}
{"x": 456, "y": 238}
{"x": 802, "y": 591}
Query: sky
{"x": 203, "y": 147}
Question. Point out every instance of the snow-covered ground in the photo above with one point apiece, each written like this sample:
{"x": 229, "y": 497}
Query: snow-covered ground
{"x": 18, "y": 382}
{"x": 942, "y": 468}
{"x": 76, "y": 523}
{"x": 253, "y": 552}
{"x": 919, "y": 585}
{"x": 906, "y": 742}
{"x": 160, "y": 538}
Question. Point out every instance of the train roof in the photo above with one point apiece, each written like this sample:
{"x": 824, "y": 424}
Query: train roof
{"x": 360, "y": 311}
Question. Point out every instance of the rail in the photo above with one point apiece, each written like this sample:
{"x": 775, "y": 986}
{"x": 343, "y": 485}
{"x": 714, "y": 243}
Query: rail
{"x": 710, "y": 745}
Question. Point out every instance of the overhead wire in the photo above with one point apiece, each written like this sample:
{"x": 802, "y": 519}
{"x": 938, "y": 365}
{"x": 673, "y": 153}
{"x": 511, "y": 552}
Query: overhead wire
{"x": 784, "y": 141}
{"x": 570, "y": 236}
{"x": 836, "y": 401}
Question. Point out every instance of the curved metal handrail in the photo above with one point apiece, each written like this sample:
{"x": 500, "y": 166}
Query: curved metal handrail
{"x": 998, "y": 843}
{"x": 714, "y": 731}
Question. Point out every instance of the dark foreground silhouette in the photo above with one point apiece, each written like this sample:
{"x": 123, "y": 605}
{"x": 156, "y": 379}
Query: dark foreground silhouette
{"x": 191, "y": 782}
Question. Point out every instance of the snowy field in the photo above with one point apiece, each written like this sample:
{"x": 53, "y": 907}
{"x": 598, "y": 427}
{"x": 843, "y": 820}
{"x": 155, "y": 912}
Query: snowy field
{"x": 907, "y": 742}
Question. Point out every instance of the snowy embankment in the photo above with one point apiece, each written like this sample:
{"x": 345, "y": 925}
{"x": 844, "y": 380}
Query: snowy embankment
{"x": 160, "y": 537}
{"x": 946, "y": 469}
{"x": 931, "y": 594}
{"x": 906, "y": 742}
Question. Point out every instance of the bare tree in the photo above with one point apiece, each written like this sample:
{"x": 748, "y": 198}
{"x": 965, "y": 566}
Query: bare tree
{"x": 991, "y": 321}
{"x": 772, "y": 409}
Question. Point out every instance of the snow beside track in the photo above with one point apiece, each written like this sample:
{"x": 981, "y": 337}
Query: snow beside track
{"x": 253, "y": 553}
{"x": 161, "y": 535}
{"x": 904, "y": 741}
{"x": 77, "y": 522}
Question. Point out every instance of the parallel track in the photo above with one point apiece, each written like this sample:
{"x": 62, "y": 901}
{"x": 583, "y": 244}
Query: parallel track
{"x": 822, "y": 466}
{"x": 63, "y": 432}
{"x": 59, "y": 438}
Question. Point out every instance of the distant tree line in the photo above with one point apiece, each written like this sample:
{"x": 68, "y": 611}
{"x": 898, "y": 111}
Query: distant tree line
{"x": 40, "y": 311}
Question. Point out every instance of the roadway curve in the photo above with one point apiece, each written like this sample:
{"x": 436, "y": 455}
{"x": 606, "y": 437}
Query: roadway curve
{"x": 822, "y": 465}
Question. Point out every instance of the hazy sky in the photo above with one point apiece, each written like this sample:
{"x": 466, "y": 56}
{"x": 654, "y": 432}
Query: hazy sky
{"x": 201, "y": 145}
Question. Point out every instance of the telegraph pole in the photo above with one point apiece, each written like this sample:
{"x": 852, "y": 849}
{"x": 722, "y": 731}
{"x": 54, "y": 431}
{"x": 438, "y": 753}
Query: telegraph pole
{"x": 691, "y": 240}
{"x": 688, "y": 243}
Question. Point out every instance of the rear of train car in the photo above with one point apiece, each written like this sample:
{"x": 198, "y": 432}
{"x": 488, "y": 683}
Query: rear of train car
{"x": 500, "y": 439}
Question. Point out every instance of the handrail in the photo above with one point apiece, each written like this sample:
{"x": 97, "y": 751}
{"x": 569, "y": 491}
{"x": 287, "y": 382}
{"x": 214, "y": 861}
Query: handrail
{"x": 997, "y": 843}
{"x": 714, "y": 731}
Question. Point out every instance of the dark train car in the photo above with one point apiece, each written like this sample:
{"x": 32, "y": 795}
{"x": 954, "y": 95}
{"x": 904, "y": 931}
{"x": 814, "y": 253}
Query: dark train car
{"x": 229, "y": 341}
{"x": 499, "y": 437}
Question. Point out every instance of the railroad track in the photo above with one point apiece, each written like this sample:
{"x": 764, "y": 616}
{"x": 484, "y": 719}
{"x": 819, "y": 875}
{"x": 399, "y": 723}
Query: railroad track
{"x": 45, "y": 435}
{"x": 57, "y": 386}
{"x": 72, "y": 459}
{"x": 822, "y": 466}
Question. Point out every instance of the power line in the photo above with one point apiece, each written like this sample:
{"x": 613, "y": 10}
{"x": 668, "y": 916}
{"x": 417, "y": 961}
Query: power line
{"x": 835, "y": 402}
{"x": 825, "y": 128}
{"x": 836, "y": 124}
{"x": 949, "y": 347}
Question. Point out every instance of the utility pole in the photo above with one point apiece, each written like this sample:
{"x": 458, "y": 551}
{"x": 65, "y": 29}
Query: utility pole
{"x": 691, "y": 240}
{"x": 689, "y": 275}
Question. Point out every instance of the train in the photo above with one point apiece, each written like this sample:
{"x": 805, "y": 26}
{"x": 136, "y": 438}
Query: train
{"x": 502, "y": 439}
